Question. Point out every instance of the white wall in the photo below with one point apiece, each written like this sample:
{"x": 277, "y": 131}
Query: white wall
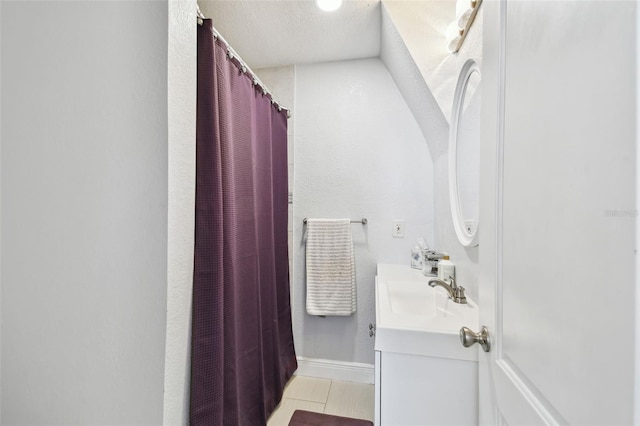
{"x": 358, "y": 153}
{"x": 0, "y": 221}
{"x": 636, "y": 413}
{"x": 182, "y": 46}
{"x": 413, "y": 49}
{"x": 84, "y": 212}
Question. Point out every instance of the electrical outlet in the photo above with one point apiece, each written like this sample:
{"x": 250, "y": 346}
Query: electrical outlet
{"x": 398, "y": 229}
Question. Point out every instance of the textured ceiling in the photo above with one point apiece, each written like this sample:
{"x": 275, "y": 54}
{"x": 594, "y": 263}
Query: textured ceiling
{"x": 269, "y": 33}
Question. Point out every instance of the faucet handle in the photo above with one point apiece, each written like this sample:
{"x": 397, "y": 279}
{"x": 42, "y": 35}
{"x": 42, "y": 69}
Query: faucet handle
{"x": 433, "y": 255}
{"x": 453, "y": 282}
{"x": 459, "y": 295}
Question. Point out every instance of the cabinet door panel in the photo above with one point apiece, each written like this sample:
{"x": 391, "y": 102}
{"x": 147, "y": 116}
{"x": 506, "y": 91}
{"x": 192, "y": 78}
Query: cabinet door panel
{"x": 416, "y": 390}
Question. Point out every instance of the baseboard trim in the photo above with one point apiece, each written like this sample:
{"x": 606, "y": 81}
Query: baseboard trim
{"x": 335, "y": 370}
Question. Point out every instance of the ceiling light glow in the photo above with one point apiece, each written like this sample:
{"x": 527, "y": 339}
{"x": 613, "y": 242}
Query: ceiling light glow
{"x": 329, "y": 5}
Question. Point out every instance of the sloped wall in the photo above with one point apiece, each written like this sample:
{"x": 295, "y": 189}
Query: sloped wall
{"x": 413, "y": 50}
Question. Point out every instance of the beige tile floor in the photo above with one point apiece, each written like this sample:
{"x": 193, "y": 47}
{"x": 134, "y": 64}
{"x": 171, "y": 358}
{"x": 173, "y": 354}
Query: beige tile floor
{"x": 324, "y": 396}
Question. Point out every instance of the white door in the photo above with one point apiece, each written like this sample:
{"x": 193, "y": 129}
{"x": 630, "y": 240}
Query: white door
{"x": 558, "y": 212}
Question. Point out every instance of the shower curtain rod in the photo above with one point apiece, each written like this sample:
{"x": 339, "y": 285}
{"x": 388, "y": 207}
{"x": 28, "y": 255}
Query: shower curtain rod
{"x": 245, "y": 68}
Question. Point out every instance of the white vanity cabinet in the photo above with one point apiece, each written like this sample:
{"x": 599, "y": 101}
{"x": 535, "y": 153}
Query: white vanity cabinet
{"x": 423, "y": 375}
{"x": 419, "y": 391}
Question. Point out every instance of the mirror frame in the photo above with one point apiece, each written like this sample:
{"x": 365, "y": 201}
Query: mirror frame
{"x": 466, "y": 239}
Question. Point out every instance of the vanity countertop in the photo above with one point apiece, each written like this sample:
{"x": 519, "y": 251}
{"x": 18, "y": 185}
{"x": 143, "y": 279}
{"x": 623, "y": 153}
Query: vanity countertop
{"x": 416, "y": 319}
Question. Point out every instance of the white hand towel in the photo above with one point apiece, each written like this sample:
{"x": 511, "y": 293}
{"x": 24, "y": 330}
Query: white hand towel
{"x": 331, "y": 275}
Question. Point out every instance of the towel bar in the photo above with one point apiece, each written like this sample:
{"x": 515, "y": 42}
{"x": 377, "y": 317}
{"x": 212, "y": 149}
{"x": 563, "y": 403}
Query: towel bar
{"x": 362, "y": 221}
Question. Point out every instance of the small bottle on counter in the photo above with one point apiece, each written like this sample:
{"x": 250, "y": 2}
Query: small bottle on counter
{"x": 416, "y": 257}
{"x": 446, "y": 268}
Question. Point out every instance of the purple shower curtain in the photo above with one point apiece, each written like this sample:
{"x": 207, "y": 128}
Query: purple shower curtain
{"x": 242, "y": 342}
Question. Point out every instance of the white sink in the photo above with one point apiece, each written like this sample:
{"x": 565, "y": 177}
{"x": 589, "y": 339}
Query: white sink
{"x": 413, "y": 318}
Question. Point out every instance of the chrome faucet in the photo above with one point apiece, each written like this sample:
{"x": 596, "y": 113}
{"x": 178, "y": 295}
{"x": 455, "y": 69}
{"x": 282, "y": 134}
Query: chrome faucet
{"x": 430, "y": 266}
{"x": 456, "y": 293}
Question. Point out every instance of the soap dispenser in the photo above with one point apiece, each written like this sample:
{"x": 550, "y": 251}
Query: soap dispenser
{"x": 446, "y": 268}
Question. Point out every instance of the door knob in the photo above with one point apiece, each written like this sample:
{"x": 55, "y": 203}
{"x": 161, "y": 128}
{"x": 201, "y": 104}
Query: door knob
{"x": 468, "y": 337}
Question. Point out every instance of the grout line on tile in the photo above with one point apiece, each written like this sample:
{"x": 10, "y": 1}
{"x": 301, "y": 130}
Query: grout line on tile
{"x": 307, "y": 400}
{"x": 324, "y": 409}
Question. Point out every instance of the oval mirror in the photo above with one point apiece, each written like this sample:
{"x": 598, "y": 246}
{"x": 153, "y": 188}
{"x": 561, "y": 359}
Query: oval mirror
{"x": 464, "y": 155}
